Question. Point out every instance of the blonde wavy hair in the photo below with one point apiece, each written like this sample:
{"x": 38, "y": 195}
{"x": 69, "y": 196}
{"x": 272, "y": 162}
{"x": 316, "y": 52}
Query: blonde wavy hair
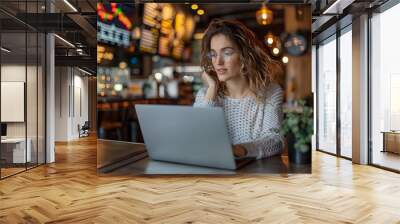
{"x": 257, "y": 67}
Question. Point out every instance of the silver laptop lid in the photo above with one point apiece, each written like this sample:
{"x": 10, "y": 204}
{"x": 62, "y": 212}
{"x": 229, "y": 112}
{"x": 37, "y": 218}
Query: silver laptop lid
{"x": 185, "y": 134}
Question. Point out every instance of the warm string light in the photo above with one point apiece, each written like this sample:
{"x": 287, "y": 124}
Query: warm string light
{"x": 270, "y": 40}
{"x": 195, "y": 6}
{"x": 285, "y": 59}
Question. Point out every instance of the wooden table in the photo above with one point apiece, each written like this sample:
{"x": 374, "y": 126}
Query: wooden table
{"x": 391, "y": 141}
{"x": 130, "y": 159}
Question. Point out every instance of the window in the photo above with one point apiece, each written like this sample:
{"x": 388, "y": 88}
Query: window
{"x": 327, "y": 95}
{"x": 385, "y": 88}
{"x": 346, "y": 92}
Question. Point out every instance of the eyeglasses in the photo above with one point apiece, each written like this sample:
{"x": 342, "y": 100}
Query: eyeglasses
{"x": 226, "y": 54}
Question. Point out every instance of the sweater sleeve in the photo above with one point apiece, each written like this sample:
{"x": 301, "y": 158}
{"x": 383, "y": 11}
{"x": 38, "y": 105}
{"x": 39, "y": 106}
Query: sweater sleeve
{"x": 270, "y": 142}
{"x": 200, "y": 101}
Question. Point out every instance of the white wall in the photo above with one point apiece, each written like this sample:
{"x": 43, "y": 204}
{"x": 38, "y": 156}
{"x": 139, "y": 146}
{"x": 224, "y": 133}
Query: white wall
{"x": 33, "y": 127}
{"x": 71, "y": 94}
{"x": 13, "y": 73}
{"x": 61, "y": 103}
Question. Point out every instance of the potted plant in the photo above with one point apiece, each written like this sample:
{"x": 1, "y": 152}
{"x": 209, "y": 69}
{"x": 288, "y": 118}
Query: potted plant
{"x": 298, "y": 129}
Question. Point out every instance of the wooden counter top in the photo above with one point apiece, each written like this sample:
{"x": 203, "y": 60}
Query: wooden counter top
{"x": 126, "y": 159}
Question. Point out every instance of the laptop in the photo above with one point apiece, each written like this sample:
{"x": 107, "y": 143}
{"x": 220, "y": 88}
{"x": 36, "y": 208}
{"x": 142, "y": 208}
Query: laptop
{"x": 187, "y": 135}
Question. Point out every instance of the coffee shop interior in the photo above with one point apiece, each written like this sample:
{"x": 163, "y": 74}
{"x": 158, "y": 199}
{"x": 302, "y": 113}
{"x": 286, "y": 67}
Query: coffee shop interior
{"x": 158, "y": 59}
{"x": 57, "y": 103}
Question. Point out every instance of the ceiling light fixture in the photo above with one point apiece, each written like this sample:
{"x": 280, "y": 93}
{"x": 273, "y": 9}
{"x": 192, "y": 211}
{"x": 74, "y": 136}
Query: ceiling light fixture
{"x": 5, "y": 49}
{"x": 264, "y": 15}
{"x": 64, "y": 40}
{"x": 337, "y": 7}
{"x": 86, "y": 72}
{"x": 70, "y": 5}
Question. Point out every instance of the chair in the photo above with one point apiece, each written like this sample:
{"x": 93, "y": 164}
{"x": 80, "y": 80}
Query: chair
{"x": 84, "y": 130}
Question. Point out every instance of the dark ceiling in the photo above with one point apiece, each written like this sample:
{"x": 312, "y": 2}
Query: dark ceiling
{"x": 244, "y": 12}
{"x": 78, "y": 28}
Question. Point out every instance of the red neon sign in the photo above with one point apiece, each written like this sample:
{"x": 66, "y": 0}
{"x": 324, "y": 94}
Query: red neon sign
{"x": 116, "y": 12}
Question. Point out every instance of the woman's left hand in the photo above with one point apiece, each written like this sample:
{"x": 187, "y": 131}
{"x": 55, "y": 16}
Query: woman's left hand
{"x": 239, "y": 151}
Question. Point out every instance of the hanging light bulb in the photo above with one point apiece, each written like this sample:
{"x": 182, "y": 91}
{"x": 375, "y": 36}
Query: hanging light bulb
{"x": 200, "y": 12}
{"x": 285, "y": 59}
{"x": 275, "y": 51}
{"x": 194, "y": 6}
{"x": 264, "y": 15}
{"x": 269, "y": 39}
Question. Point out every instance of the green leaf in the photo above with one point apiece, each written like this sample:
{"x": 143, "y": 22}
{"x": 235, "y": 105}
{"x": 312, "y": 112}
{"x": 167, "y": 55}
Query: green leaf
{"x": 300, "y": 124}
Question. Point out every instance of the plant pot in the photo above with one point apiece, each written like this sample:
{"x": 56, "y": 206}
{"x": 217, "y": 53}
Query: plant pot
{"x": 297, "y": 156}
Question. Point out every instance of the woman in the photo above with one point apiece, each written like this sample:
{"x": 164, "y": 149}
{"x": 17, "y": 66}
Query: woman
{"x": 239, "y": 77}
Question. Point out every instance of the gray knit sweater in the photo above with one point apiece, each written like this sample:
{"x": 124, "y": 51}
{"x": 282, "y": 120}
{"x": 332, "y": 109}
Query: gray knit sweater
{"x": 250, "y": 124}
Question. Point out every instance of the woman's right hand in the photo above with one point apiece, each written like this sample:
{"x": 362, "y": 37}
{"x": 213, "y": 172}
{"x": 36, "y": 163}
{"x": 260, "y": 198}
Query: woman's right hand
{"x": 212, "y": 84}
{"x": 208, "y": 80}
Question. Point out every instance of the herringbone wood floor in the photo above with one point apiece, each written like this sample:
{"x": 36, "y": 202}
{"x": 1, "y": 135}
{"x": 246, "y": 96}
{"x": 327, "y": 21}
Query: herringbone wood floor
{"x": 69, "y": 191}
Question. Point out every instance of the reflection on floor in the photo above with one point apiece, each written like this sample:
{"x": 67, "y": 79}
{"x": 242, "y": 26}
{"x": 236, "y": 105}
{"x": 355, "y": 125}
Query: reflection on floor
{"x": 10, "y": 171}
{"x": 387, "y": 159}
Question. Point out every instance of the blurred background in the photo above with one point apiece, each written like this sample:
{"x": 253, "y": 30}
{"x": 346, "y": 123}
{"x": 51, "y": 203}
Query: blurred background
{"x": 150, "y": 54}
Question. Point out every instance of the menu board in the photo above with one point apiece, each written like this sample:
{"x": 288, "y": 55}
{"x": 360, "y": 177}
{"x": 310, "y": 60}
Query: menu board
{"x": 149, "y": 40}
{"x": 184, "y": 28}
{"x": 167, "y": 30}
{"x": 150, "y": 28}
{"x": 177, "y": 50}
{"x": 189, "y": 28}
{"x": 164, "y": 46}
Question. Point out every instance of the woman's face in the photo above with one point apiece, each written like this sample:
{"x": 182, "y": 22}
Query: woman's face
{"x": 225, "y": 57}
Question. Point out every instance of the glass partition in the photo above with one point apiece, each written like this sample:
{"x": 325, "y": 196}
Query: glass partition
{"x": 15, "y": 149}
{"x": 22, "y": 89}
